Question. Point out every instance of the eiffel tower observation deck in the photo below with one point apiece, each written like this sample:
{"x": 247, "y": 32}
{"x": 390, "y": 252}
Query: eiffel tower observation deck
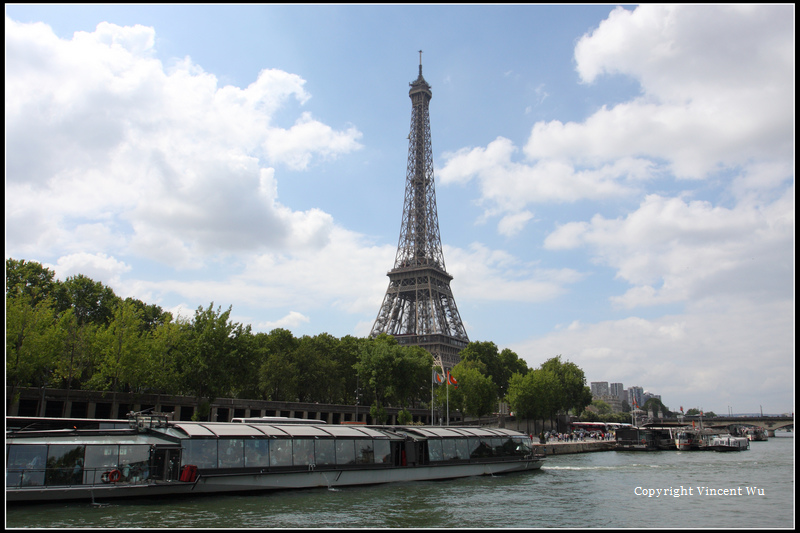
{"x": 419, "y": 308}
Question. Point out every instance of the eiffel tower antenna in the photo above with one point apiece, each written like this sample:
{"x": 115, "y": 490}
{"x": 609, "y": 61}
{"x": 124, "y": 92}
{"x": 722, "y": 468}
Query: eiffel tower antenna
{"x": 419, "y": 308}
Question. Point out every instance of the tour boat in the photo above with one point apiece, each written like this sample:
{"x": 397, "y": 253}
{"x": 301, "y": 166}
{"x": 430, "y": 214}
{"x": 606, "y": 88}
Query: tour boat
{"x": 153, "y": 456}
{"x": 728, "y": 443}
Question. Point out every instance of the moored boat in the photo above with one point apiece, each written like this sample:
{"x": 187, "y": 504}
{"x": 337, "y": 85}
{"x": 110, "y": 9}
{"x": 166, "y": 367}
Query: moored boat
{"x": 154, "y": 456}
{"x": 728, "y": 443}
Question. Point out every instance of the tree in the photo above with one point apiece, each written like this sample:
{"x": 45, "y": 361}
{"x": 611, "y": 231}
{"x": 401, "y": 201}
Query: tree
{"x": 276, "y": 374}
{"x": 32, "y": 342}
{"x": 535, "y": 395}
{"x": 121, "y": 346}
{"x": 374, "y": 367}
{"x": 160, "y": 364}
{"x": 476, "y": 394}
{"x": 206, "y": 363}
{"x": 91, "y": 300}
{"x": 29, "y": 278}
{"x": 574, "y": 394}
{"x": 411, "y": 374}
{"x": 498, "y": 366}
{"x": 392, "y": 374}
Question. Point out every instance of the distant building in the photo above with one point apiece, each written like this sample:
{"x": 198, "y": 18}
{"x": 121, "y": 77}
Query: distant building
{"x": 599, "y": 389}
{"x": 636, "y": 397}
{"x": 618, "y": 391}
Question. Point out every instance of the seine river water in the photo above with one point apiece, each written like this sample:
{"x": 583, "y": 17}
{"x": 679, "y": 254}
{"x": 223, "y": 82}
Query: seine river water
{"x": 601, "y": 489}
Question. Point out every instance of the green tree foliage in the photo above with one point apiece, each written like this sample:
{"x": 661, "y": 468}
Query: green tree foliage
{"x": 121, "y": 347}
{"x": 91, "y": 301}
{"x": 32, "y": 342}
{"x": 29, "y": 278}
{"x": 277, "y": 373}
{"x": 494, "y": 364}
{"x": 391, "y": 374}
{"x": 78, "y": 334}
{"x": 655, "y": 405}
{"x": 207, "y": 362}
{"x": 574, "y": 395}
{"x": 536, "y": 394}
{"x": 476, "y": 394}
{"x": 544, "y": 392}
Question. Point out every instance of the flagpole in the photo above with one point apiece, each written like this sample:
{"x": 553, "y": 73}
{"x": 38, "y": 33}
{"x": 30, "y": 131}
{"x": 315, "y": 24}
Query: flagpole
{"x": 433, "y": 378}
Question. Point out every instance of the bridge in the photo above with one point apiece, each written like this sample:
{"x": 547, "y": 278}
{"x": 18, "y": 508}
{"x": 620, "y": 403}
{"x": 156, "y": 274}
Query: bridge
{"x": 769, "y": 423}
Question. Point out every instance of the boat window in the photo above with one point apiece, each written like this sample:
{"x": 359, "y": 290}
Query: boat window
{"x": 383, "y": 454}
{"x": 522, "y": 445}
{"x": 231, "y": 453}
{"x": 98, "y": 459}
{"x": 134, "y": 462}
{"x": 462, "y": 448}
{"x": 25, "y": 464}
{"x": 303, "y": 452}
{"x": 64, "y": 464}
{"x": 480, "y": 448}
{"x": 201, "y": 453}
{"x": 365, "y": 453}
{"x": 435, "y": 449}
{"x": 448, "y": 449}
{"x": 280, "y": 452}
{"x": 325, "y": 452}
{"x": 256, "y": 452}
{"x": 345, "y": 451}
{"x": 497, "y": 446}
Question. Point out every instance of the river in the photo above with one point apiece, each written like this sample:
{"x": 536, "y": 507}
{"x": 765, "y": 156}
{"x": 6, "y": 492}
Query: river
{"x": 749, "y": 489}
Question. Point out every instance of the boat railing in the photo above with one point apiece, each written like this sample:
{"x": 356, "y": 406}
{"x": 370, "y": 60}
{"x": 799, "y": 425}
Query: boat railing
{"x": 27, "y": 477}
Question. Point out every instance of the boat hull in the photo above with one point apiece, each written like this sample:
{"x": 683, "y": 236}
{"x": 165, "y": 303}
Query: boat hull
{"x": 268, "y": 481}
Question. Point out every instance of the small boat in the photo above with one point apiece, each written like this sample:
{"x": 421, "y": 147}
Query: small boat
{"x": 688, "y": 440}
{"x": 728, "y": 443}
{"x": 153, "y": 456}
{"x": 756, "y": 434}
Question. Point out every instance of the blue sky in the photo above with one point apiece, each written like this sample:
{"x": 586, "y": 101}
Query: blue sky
{"x": 614, "y": 184}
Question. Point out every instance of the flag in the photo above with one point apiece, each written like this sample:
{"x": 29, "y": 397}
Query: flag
{"x": 452, "y": 380}
{"x": 437, "y": 378}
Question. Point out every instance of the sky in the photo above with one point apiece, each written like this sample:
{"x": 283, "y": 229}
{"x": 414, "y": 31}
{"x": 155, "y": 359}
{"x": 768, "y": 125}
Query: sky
{"x": 614, "y": 184}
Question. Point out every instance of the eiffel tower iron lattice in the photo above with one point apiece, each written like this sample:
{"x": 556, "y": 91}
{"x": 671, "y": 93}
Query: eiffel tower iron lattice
{"x": 419, "y": 308}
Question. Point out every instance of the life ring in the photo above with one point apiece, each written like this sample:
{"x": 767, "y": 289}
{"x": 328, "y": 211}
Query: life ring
{"x": 114, "y": 475}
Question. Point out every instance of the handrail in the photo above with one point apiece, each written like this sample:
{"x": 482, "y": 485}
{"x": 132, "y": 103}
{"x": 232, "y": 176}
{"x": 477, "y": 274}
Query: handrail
{"x": 25, "y": 477}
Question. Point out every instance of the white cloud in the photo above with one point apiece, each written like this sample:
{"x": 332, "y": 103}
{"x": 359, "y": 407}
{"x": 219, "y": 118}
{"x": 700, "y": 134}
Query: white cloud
{"x": 496, "y": 275}
{"x": 672, "y": 250}
{"x": 290, "y": 321}
{"x": 509, "y": 186}
{"x": 717, "y": 95}
{"x": 690, "y": 357}
{"x": 98, "y": 267}
{"x": 716, "y": 83}
{"x": 170, "y": 163}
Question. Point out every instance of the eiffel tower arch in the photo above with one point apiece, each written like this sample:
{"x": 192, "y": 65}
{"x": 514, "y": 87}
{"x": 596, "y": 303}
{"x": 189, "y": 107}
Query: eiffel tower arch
{"x": 419, "y": 308}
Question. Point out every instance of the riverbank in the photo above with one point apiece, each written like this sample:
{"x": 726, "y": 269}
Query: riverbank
{"x": 561, "y": 448}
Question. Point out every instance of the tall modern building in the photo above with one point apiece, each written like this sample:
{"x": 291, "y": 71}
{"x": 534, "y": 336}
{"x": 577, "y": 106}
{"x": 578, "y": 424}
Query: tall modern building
{"x": 599, "y": 389}
{"x": 636, "y": 397}
{"x": 617, "y": 391}
{"x": 419, "y": 308}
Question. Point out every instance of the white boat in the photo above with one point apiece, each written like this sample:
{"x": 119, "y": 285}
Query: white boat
{"x": 688, "y": 439}
{"x": 154, "y": 457}
{"x": 728, "y": 443}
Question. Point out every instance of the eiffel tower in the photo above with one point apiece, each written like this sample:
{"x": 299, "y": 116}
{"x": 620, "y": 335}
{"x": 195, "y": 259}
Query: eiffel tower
{"x": 419, "y": 308}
